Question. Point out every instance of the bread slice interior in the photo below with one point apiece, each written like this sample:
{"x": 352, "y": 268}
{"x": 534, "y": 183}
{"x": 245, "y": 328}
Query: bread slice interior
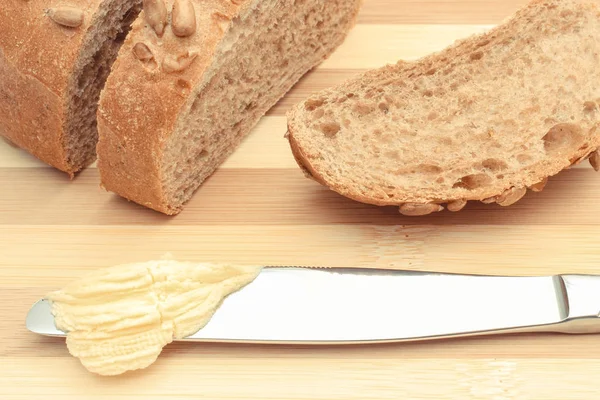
{"x": 486, "y": 119}
{"x": 99, "y": 49}
{"x": 265, "y": 52}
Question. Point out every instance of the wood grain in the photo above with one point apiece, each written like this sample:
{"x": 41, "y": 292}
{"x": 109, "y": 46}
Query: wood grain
{"x": 258, "y": 208}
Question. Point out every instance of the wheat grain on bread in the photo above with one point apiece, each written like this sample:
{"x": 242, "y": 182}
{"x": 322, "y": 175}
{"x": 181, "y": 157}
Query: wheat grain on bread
{"x": 174, "y": 108}
{"x": 486, "y": 119}
{"x": 54, "y": 59}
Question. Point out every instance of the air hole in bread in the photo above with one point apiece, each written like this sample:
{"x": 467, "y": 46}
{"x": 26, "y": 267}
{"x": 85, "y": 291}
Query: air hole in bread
{"x": 330, "y": 129}
{"x": 590, "y": 106}
{"x": 524, "y": 159}
{"x": 312, "y": 104}
{"x": 427, "y": 93}
{"x": 431, "y": 71}
{"x": 478, "y": 55}
{"x": 428, "y": 169}
{"x": 362, "y": 108}
{"x": 494, "y": 165}
{"x": 483, "y": 43}
{"x": 318, "y": 113}
{"x": 202, "y": 156}
{"x": 432, "y": 115}
{"x": 473, "y": 181}
{"x": 563, "y": 138}
{"x": 370, "y": 94}
{"x": 383, "y": 106}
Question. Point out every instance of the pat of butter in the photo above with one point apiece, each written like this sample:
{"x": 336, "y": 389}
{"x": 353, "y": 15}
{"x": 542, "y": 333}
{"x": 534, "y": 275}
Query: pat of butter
{"x": 118, "y": 319}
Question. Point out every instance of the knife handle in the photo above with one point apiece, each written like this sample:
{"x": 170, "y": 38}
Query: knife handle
{"x": 579, "y": 298}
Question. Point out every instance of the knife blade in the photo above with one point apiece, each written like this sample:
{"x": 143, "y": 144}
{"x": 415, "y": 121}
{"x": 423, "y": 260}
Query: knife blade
{"x": 297, "y": 305}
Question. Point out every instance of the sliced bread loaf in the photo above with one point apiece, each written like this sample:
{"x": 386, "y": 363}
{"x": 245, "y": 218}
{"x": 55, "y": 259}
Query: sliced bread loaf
{"x": 193, "y": 78}
{"x": 486, "y": 119}
{"x": 54, "y": 59}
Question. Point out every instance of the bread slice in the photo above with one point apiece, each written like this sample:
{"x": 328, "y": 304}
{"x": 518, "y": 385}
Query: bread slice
{"x": 175, "y": 107}
{"x": 54, "y": 59}
{"x": 485, "y": 119}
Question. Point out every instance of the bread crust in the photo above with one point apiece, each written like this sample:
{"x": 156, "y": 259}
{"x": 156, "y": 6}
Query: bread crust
{"x": 37, "y": 60}
{"x": 315, "y": 168}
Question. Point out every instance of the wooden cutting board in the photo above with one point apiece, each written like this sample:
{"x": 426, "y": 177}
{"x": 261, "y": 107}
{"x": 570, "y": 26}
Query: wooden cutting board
{"x": 258, "y": 208}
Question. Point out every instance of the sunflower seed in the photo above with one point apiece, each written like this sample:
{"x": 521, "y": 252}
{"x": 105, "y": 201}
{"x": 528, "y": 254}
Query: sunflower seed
{"x": 456, "y": 205}
{"x": 71, "y": 17}
{"x": 511, "y": 196}
{"x": 490, "y": 200}
{"x": 177, "y": 64}
{"x": 538, "y": 187}
{"x": 155, "y": 13}
{"x": 183, "y": 20}
{"x": 419, "y": 209}
{"x": 142, "y": 52}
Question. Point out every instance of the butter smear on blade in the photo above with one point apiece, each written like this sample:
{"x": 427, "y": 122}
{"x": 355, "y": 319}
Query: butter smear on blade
{"x": 119, "y": 319}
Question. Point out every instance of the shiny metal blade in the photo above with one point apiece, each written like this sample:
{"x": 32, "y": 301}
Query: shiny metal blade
{"x": 364, "y": 305}
{"x": 334, "y": 306}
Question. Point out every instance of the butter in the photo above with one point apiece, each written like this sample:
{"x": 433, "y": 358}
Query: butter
{"x": 119, "y": 319}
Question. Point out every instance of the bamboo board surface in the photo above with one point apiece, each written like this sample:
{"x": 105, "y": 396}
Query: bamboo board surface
{"x": 258, "y": 208}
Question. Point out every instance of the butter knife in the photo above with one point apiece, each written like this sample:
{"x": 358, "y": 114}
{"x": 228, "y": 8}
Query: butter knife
{"x": 349, "y": 306}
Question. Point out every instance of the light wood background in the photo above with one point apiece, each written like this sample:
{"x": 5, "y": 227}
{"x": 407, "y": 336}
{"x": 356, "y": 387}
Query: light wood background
{"x": 258, "y": 208}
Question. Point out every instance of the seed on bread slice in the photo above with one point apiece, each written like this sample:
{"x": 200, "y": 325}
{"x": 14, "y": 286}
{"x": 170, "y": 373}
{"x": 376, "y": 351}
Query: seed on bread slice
{"x": 486, "y": 119}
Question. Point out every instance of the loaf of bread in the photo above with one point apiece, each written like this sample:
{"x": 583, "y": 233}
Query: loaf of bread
{"x": 194, "y": 77}
{"x": 486, "y": 119}
{"x": 54, "y": 59}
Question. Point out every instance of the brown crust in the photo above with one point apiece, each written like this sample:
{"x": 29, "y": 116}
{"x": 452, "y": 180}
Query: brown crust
{"x": 37, "y": 59}
{"x": 486, "y": 195}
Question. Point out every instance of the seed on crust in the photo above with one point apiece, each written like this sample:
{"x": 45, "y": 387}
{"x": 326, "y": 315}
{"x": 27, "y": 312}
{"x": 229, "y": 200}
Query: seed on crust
{"x": 142, "y": 52}
{"x": 511, "y": 196}
{"x": 221, "y": 20}
{"x": 71, "y": 17}
{"x": 456, "y": 205}
{"x": 538, "y": 187}
{"x": 595, "y": 160}
{"x": 155, "y": 13}
{"x": 183, "y": 18}
{"x": 419, "y": 209}
{"x": 177, "y": 64}
{"x": 489, "y": 200}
